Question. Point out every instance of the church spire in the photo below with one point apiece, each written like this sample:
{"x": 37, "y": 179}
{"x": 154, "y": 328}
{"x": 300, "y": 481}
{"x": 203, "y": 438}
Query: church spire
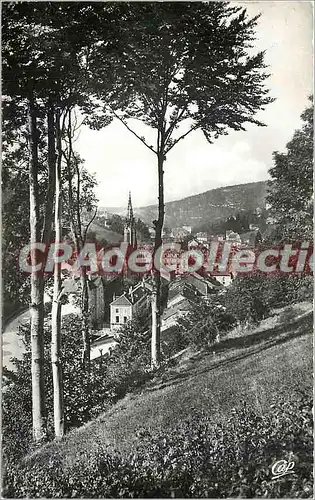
{"x": 130, "y": 235}
{"x": 129, "y": 210}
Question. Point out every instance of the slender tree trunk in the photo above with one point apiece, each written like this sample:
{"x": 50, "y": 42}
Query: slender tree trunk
{"x": 156, "y": 294}
{"x": 155, "y": 339}
{"x": 85, "y": 322}
{"x": 78, "y": 238}
{"x": 56, "y": 306}
{"x": 37, "y": 287}
{"x": 50, "y": 194}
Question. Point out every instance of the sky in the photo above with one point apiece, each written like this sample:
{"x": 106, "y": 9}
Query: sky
{"x": 122, "y": 163}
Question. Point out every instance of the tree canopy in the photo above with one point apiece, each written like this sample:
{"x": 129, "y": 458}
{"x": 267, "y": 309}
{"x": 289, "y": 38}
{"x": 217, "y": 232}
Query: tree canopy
{"x": 291, "y": 187}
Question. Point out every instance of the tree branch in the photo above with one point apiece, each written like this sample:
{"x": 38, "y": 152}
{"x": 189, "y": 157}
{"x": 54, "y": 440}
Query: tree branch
{"x": 181, "y": 137}
{"x": 177, "y": 120}
{"x": 134, "y": 133}
{"x": 87, "y": 227}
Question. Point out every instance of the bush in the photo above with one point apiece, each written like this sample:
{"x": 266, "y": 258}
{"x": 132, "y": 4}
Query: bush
{"x": 197, "y": 459}
{"x": 251, "y": 298}
{"x": 204, "y": 323}
{"x": 85, "y": 396}
{"x": 247, "y": 299}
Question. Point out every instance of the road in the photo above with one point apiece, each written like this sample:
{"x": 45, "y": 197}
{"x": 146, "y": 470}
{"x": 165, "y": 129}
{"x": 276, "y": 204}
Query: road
{"x": 12, "y": 342}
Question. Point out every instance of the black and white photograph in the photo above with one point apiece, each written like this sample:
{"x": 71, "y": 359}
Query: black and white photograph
{"x": 157, "y": 249}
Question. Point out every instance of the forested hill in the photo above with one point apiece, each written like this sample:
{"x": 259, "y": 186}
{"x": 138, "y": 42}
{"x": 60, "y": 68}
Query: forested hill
{"x": 210, "y": 206}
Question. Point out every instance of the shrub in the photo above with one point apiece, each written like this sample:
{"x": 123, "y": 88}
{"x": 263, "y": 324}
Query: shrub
{"x": 85, "y": 396}
{"x": 247, "y": 299}
{"x": 251, "y": 298}
{"x": 197, "y": 458}
{"x": 204, "y": 323}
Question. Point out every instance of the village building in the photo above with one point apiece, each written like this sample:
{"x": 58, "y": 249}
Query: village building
{"x": 198, "y": 244}
{"x": 179, "y": 234}
{"x": 184, "y": 291}
{"x": 123, "y": 308}
{"x": 225, "y": 279}
{"x": 172, "y": 314}
{"x": 193, "y": 244}
{"x": 217, "y": 237}
{"x": 206, "y": 285}
{"x": 233, "y": 238}
{"x": 120, "y": 311}
{"x": 202, "y": 237}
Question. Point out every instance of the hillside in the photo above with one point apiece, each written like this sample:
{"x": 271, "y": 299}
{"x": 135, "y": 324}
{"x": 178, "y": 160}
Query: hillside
{"x": 274, "y": 359}
{"x": 211, "y": 205}
{"x": 102, "y": 233}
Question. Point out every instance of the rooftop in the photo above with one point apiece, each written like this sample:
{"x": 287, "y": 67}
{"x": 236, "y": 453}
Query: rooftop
{"x": 121, "y": 301}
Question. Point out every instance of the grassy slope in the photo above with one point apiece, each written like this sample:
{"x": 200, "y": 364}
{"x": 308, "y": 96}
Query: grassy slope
{"x": 256, "y": 366}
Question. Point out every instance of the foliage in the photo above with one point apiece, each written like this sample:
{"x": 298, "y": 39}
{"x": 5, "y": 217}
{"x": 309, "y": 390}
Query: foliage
{"x": 195, "y": 459}
{"x": 238, "y": 223}
{"x": 250, "y": 299}
{"x": 85, "y": 397}
{"x": 117, "y": 224}
{"x": 164, "y": 74}
{"x": 43, "y": 60}
{"x": 142, "y": 230}
{"x": 247, "y": 298}
{"x": 291, "y": 187}
{"x": 15, "y": 208}
{"x": 203, "y": 324}
{"x": 129, "y": 364}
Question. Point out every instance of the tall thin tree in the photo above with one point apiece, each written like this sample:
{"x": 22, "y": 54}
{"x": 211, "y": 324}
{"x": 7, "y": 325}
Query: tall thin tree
{"x": 56, "y": 305}
{"x": 178, "y": 68}
{"x": 79, "y": 196}
{"x": 37, "y": 302}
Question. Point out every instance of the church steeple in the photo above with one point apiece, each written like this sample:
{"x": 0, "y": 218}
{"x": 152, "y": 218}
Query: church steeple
{"x": 129, "y": 209}
{"x": 130, "y": 235}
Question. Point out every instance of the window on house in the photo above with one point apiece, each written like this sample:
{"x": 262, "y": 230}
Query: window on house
{"x": 125, "y": 319}
{"x": 117, "y": 311}
{"x": 117, "y": 319}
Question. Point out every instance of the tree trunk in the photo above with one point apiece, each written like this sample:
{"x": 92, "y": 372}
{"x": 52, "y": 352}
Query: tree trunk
{"x": 37, "y": 287}
{"x": 56, "y": 306}
{"x": 85, "y": 322}
{"x": 156, "y": 294}
{"x": 49, "y": 205}
{"x": 156, "y": 329}
{"x": 78, "y": 238}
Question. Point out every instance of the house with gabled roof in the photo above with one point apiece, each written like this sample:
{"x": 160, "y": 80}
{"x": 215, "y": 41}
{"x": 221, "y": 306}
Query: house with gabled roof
{"x": 120, "y": 311}
{"x": 193, "y": 244}
{"x": 123, "y": 308}
{"x": 174, "y": 312}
